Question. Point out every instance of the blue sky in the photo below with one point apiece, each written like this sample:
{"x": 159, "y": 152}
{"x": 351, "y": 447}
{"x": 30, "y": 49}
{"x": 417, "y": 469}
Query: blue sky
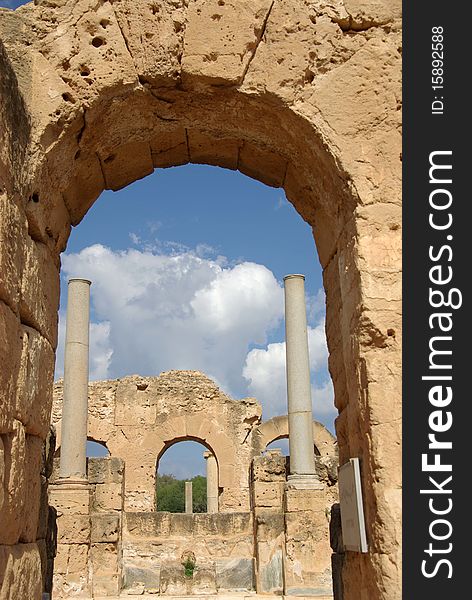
{"x": 11, "y": 3}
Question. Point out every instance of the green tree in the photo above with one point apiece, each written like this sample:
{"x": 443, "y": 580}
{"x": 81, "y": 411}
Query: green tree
{"x": 199, "y": 494}
{"x": 170, "y": 494}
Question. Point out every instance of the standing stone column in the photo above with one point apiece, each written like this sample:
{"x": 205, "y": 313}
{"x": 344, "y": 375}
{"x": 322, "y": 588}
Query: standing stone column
{"x": 300, "y": 419}
{"x": 76, "y": 365}
{"x": 188, "y": 497}
{"x": 212, "y": 482}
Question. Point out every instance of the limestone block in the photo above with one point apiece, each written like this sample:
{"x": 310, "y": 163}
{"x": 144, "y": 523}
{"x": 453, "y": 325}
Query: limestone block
{"x": 10, "y": 357}
{"x": 268, "y": 495}
{"x": 105, "y": 470}
{"x": 34, "y": 393}
{"x": 269, "y": 525}
{"x": 71, "y": 571}
{"x": 105, "y": 527}
{"x": 73, "y": 529}
{"x": 133, "y": 406}
{"x": 203, "y": 581}
{"x": 47, "y": 214}
{"x": 20, "y": 572}
{"x": 108, "y": 496}
{"x": 206, "y": 148}
{"x": 270, "y": 576}
{"x": 84, "y": 187}
{"x": 106, "y": 585}
{"x": 61, "y": 559}
{"x": 262, "y": 164}
{"x": 39, "y": 299}
{"x": 170, "y": 148}
{"x": 220, "y": 39}
{"x": 32, "y": 474}
{"x": 270, "y": 467}
{"x": 362, "y": 12}
{"x": 126, "y": 164}
{"x": 97, "y": 54}
{"x": 13, "y": 513}
{"x": 70, "y": 500}
{"x": 147, "y": 577}
{"x": 105, "y": 558}
{"x": 78, "y": 558}
{"x": 174, "y": 581}
{"x": 235, "y": 575}
{"x": 157, "y": 48}
{"x": 13, "y": 232}
{"x": 305, "y": 500}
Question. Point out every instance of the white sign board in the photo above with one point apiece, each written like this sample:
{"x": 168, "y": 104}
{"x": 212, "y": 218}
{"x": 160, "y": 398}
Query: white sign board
{"x": 352, "y": 510}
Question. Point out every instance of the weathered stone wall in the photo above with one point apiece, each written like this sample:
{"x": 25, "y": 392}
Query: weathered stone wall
{"x": 301, "y": 95}
{"x": 140, "y": 417}
{"x": 281, "y": 546}
{"x": 221, "y": 547}
{"x": 293, "y": 555}
{"x": 89, "y": 549}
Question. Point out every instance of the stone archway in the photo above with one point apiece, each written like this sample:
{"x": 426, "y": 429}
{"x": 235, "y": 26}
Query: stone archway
{"x": 277, "y": 429}
{"x": 301, "y": 96}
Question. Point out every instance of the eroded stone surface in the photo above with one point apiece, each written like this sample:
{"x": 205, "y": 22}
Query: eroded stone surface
{"x": 304, "y": 95}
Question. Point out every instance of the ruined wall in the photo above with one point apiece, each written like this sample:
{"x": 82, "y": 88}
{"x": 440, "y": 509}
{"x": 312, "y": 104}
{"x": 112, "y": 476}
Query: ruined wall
{"x": 140, "y": 417}
{"x": 293, "y": 555}
{"x": 88, "y": 552}
{"x": 220, "y": 546}
{"x": 280, "y": 546}
{"x": 300, "y": 95}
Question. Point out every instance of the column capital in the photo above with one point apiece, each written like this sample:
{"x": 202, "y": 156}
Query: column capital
{"x": 294, "y": 276}
{"x": 81, "y": 279}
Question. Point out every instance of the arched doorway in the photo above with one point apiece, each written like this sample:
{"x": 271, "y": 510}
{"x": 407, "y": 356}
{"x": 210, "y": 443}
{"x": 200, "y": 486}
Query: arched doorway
{"x": 123, "y": 104}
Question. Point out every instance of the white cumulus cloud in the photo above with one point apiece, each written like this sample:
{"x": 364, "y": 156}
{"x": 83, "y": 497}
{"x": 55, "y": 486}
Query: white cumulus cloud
{"x": 265, "y": 373}
{"x": 158, "y": 309}
{"x": 177, "y": 311}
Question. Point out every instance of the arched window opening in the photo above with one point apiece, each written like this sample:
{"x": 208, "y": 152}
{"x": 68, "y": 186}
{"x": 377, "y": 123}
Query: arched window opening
{"x": 181, "y": 478}
{"x": 96, "y": 449}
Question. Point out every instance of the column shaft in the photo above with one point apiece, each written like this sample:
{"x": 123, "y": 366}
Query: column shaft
{"x": 302, "y": 456}
{"x": 75, "y": 404}
{"x": 212, "y": 482}
{"x": 188, "y": 497}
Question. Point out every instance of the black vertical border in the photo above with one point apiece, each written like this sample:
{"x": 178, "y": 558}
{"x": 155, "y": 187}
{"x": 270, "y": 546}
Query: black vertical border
{"x": 423, "y": 134}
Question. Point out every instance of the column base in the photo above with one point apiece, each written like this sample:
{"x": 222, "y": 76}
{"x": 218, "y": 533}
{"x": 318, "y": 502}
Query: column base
{"x": 71, "y": 482}
{"x": 70, "y": 496}
{"x": 303, "y": 482}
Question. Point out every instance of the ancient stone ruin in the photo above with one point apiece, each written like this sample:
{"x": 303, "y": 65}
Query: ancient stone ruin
{"x": 260, "y": 536}
{"x": 303, "y": 95}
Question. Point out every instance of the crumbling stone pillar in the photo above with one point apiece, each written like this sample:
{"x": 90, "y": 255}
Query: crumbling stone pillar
{"x": 188, "y": 497}
{"x": 212, "y": 482}
{"x": 302, "y": 455}
{"x": 74, "y": 411}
